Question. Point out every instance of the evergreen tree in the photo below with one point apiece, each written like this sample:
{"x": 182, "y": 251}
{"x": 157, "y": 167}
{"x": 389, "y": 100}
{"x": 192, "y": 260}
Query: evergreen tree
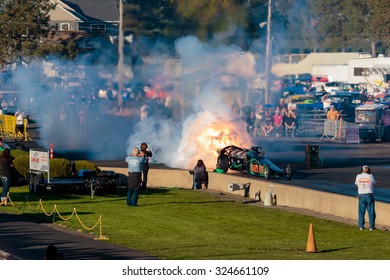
{"x": 23, "y": 25}
{"x": 378, "y": 25}
{"x": 341, "y": 24}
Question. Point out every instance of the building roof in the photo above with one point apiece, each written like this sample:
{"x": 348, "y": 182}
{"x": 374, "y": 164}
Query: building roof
{"x": 306, "y": 65}
{"x": 101, "y": 10}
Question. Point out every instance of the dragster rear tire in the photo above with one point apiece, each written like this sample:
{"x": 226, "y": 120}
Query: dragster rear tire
{"x": 267, "y": 172}
{"x": 223, "y": 162}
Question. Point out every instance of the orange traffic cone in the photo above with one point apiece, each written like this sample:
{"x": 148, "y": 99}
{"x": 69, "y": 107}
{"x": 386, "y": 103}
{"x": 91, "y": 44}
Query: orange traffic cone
{"x": 311, "y": 246}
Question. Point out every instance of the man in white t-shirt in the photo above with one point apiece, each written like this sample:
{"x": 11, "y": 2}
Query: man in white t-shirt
{"x": 326, "y": 101}
{"x": 19, "y": 121}
{"x": 365, "y": 182}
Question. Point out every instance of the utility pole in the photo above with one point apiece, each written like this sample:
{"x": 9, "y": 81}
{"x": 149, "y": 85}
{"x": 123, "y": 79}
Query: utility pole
{"x": 267, "y": 56}
{"x": 120, "y": 55}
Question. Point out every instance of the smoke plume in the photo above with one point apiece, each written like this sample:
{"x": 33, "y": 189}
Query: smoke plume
{"x": 205, "y": 82}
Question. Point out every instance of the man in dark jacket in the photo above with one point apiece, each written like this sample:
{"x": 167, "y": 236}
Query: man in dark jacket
{"x": 200, "y": 175}
{"x": 147, "y": 154}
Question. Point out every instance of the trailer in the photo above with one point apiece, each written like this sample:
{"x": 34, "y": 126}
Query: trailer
{"x": 87, "y": 181}
{"x": 375, "y": 72}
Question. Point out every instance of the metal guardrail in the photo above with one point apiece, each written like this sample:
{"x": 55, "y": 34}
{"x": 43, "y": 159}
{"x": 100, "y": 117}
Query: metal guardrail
{"x": 8, "y": 128}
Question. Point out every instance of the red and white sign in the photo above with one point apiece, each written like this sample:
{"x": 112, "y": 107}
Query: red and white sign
{"x": 39, "y": 160}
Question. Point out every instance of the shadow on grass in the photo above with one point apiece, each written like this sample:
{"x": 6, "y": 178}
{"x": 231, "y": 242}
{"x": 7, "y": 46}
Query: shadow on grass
{"x": 79, "y": 195}
{"x": 188, "y": 202}
{"x": 320, "y": 251}
{"x": 333, "y": 250}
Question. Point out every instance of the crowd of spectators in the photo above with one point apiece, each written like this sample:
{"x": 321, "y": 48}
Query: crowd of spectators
{"x": 281, "y": 120}
{"x": 277, "y": 121}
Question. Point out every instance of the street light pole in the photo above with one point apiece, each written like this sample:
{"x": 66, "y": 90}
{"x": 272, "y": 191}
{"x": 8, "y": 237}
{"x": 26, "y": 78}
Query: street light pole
{"x": 120, "y": 54}
{"x": 267, "y": 56}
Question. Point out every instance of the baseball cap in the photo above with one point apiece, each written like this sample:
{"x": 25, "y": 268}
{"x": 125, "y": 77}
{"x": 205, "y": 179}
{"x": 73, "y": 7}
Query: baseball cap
{"x": 365, "y": 168}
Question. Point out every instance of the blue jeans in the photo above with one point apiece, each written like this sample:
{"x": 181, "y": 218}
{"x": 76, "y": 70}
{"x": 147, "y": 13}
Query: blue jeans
{"x": 286, "y": 130}
{"x": 132, "y": 197}
{"x": 366, "y": 202}
{"x": 6, "y": 184}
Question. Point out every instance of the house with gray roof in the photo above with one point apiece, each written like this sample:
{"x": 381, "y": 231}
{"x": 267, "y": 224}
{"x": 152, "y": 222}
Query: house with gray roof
{"x": 90, "y": 16}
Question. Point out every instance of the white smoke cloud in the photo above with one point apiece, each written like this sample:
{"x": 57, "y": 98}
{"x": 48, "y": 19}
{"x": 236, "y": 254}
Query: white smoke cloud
{"x": 208, "y": 124}
{"x": 201, "y": 74}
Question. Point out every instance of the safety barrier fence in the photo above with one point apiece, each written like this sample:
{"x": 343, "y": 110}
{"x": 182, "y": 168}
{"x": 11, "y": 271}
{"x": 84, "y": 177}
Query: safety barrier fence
{"x": 55, "y": 212}
{"x": 334, "y": 129}
{"x": 8, "y": 127}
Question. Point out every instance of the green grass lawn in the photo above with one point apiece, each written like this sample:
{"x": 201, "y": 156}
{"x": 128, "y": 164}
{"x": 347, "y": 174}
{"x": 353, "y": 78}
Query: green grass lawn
{"x": 179, "y": 224}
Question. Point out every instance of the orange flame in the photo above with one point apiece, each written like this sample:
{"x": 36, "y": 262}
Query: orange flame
{"x": 202, "y": 142}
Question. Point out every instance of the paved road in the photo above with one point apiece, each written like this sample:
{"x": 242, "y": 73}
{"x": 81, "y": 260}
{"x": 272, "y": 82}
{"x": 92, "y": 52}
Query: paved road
{"x": 22, "y": 238}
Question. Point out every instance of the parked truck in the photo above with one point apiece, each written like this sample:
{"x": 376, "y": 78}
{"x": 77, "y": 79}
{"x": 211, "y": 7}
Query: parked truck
{"x": 368, "y": 118}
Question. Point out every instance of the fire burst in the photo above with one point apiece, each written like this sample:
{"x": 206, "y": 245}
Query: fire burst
{"x": 219, "y": 135}
{"x": 205, "y": 135}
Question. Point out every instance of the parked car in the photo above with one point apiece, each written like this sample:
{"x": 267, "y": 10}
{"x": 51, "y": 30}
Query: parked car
{"x": 309, "y": 101}
{"x": 345, "y": 103}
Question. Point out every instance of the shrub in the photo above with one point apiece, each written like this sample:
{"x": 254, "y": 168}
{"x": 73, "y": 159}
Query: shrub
{"x": 17, "y": 153}
{"x": 22, "y": 165}
{"x": 60, "y": 167}
{"x": 86, "y": 165}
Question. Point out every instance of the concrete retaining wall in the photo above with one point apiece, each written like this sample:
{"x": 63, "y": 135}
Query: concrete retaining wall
{"x": 286, "y": 195}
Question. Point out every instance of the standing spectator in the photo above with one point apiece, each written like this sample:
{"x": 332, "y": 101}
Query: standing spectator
{"x": 4, "y": 106}
{"x": 82, "y": 117}
{"x": 291, "y": 106}
{"x": 19, "y": 121}
{"x": 6, "y": 166}
{"x": 144, "y": 112}
{"x": 134, "y": 162}
{"x": 363, "y": 96}
{"x": 259, "y": 110}
{"x": 3, "y": 145}
{"x": 365, "y": 182}
{"x": 332, "y": 115}
{"x": 200, "y": 175}
{"x": 250, "y": 123}
{"x": 281, "y": 105}
{"x": 322, "y": 89}
{"x": 327, "y": 102}
{"x": 147, "y": 154}
{"x": 290, "y": 123}
{"x": 259, "y": 114}
{"x": 236, "y": 109}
